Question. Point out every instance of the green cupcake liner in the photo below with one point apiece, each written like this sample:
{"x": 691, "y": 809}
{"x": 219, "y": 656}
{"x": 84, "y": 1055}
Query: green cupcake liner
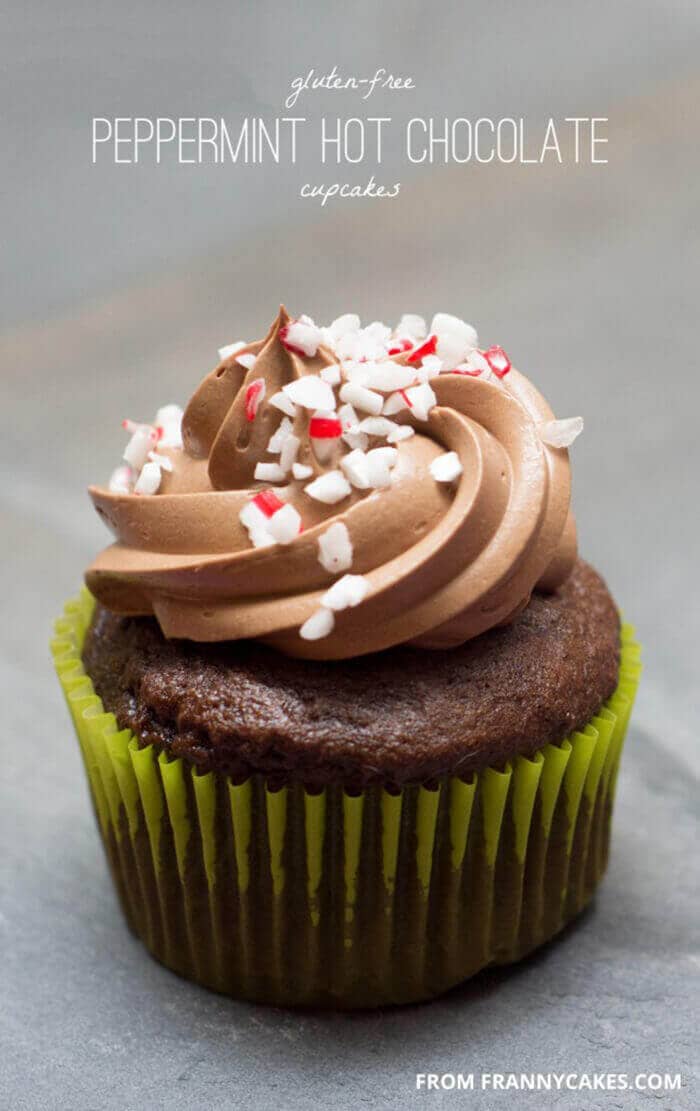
{"x": 345, "y": 900}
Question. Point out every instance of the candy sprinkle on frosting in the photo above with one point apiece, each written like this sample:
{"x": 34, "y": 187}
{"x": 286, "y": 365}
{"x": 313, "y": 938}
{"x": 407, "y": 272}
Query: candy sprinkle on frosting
{"x": 344, "y": 398}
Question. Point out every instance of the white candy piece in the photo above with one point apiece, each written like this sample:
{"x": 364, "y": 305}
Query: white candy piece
{"x": 301, "y": 470}
{"x": 304, "y": 334}
{"x": 269, "y": 472}
{"x": 284, "y": 525}
{"x": 345, "y": 325}
{"x": 455, "y": 338}
{"x": 335, "y": 548}
{"x": 354, "y": 466}
{"x": 400, "y": 432}
{"x": 412, "y": 326}
{"x": 229, "y": 349}
{"x": 169, "y": 418}
{"x": 348, "y": 591}
{"x": 379, "y": 463}
{"x": 253, "y": 518}
{"x": 261, "y": 538}
{"x": 390, "y": 376}
{"x": 149, "y": 479}
{"x": 446, "y": 467}
{"x": 283, "y": 403}
{"x": 421, "y": 400}
{"x": 277, "y": 439}
{"x": 476, "y": 361}
{"x": 163, "y": 461}
{"x": 141, "y": 442}
{"x": 328, "y": 488}
{"x": 331, "y": 375}
{"x": 394, "y": 404}
{"x": 248, "y": 360}
{"x": 429, "y": 368}
{"x": 120, "y": 480}
{"x": 319, "y": 625}
{"x": 362, "y": 398}
{"x": 289, "y": 452}
{"x": 377, "y": 426}
{"x": 560, "y": 433}
{"x": 311, "y": 392}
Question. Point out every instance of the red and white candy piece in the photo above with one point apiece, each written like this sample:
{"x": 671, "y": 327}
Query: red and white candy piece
{"x": 285, "y": 524}
{"x": 329, "y": 488}
{"x": 278, "y": 437}
{"x": 498, "y": 360}
{"x": 144, "y": 437}
{"x": 446, "y": 467}
{"x": 335, "y": 548}
{"x": 560, "y": 433}
{"x": 319, "y": 625}
{"x": 427, "y": 348}
{"x": 347, "y": 592}
{"x": 301, "y": 336}
{"x": 270, "y": 520}
{"x": 399, "y": 345}
{"x": 162, "y": 461}
{"x": 254, "y": 394}
{"x": 311, "y": 392}
{"x": 395, "y": 403}
{"x": 346, "y": 325}
{"x": 169, "y": 418}
{"x": 421, "y": 400}
{"x": 331, "y": 375}
{"x": 325, "y": 426}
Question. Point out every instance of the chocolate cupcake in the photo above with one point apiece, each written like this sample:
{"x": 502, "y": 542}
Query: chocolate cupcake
{"x": 350, "y": 705}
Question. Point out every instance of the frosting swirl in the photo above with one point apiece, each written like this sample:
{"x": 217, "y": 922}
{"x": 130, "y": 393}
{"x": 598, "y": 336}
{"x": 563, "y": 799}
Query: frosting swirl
{"x": 441, "y": 561}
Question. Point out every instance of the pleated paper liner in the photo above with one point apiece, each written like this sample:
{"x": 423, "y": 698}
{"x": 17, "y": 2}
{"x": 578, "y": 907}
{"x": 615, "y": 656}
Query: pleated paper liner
{"x": 346, "y": 900}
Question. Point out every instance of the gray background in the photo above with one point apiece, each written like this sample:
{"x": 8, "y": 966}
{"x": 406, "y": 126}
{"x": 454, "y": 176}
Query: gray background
{"x": 121, "y": 282}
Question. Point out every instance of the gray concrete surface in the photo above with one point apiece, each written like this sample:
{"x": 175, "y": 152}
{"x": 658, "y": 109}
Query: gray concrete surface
{"x": 120, "y": 292}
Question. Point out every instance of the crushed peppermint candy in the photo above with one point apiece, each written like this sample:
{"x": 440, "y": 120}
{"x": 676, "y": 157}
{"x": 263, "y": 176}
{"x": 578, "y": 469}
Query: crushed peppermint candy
{"x": 348, "y": 591}
{"x": 455, "y": 339}
{"x": 319, "y": 625}
{"x": 230, "y": 349}
{"x": 121, "y": 480}
{"x": 446, "y": 467}
{"x": 283, "y": 403}
{"x": 268, "y": 472}
{"x": 325, "y": 426}
{"x": 560, "y": 433}
{"x": 302, "y": 470}
{"x": 254, "y": 394}
{"x": 498, "y": 360}
{"x": 285, "y": 524}
{"x": 412, "y": 325}
{"x": 354, "y": 466}
{"x": 329, "y": 488}
{"x": 143, "y": 439}
{"x": 169, "y": 419}
{"x": 248, "y": 360}
{"x": 331, "y": 375}
{"x": 362, "y": 398}
{"x": 277, "y": 439}
{"x": 301, "y": 336}
{"x": 311, "y": 392}
{"x": 149, "y": 480}
{"x": 421, "y": 400}
{"x": 427, "y": 348}
{"x": 335, "y": 548}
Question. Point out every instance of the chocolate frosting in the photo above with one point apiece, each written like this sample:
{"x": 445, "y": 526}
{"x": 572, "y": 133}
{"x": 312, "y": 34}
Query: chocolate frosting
{"x": 443, "y": 562}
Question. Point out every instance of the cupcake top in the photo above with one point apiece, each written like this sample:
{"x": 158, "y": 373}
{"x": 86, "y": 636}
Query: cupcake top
{"x": 335, "y": 491}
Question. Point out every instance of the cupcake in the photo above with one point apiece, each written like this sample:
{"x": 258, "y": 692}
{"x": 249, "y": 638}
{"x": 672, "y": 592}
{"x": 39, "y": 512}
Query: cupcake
{"x": 351, "y": 706}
